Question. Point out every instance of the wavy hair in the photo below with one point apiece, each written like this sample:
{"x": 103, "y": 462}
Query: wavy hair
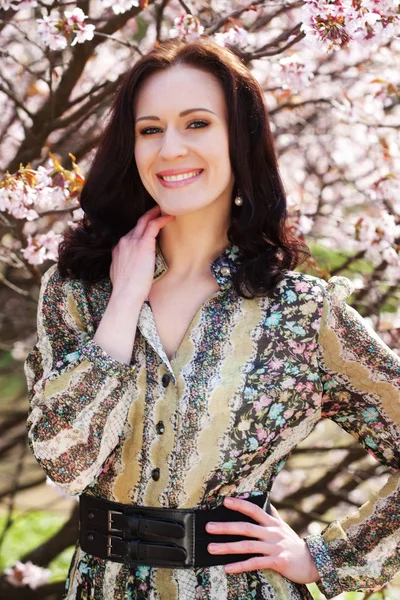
{"x": 114, "y": 197}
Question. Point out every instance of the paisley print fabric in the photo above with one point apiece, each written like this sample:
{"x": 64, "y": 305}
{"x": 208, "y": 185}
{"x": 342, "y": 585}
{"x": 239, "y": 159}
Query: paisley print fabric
{"x": 249, "y": 381}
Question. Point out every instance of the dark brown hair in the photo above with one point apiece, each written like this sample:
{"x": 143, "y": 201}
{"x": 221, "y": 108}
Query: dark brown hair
{"x": 113, "y": 197}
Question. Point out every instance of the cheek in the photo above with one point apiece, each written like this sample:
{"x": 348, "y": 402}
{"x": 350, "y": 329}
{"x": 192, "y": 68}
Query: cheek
{"x": 220, "y": 152}
{"x": 143, "y": 158}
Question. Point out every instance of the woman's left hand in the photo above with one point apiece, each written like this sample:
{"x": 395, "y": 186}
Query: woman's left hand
{"x": 283, "y": 550}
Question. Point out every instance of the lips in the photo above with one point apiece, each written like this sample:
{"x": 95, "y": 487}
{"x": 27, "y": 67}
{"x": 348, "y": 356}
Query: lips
{"x": 188, "y": 178}
{"x": 170, "y": 172}
{"x": 180, "y": 176}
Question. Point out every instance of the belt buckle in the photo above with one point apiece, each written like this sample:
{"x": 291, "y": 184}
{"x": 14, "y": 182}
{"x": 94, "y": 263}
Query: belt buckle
{"x": 110, "y": 522}
{"x": 109, "y": 547}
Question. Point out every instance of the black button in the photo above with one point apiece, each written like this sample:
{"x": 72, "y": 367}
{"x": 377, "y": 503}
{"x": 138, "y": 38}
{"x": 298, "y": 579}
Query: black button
{"x": 90, "y": 537}
{"x": 165, "y": 379}
{"x": 160, "y": 427}
{"x": 155, "y": 474}
{"x": 91, "y": 515}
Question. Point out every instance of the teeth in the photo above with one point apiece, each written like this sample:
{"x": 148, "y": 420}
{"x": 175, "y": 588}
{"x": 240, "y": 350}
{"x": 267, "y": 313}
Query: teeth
{"x": 180, "y": 177}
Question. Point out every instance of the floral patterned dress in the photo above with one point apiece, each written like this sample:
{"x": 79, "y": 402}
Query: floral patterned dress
{"x": 249, "y": 381}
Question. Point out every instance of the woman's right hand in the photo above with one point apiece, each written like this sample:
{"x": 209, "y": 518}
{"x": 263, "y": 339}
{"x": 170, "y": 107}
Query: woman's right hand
{"x": 133, "y": 258}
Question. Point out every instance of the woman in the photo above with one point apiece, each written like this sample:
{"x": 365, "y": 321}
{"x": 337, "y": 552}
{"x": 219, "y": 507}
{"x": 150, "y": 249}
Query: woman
{"x": 180, "y": 358}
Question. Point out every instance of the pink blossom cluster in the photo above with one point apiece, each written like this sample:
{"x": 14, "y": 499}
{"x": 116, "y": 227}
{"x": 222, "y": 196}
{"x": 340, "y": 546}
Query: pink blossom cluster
{"x": 27, "y": 574}
{"x": 377, "y": 236}
{"x": 41, "y": 247}
{"x": 28, "y": 191}
{"x": 120, "y": 6}
{"x": 187, "y": 27}
{"x": 334, "y": 24}
{"x": 18, "y": 4}
{"x": 56, "y": 30}
{"x": 292, "y": 72}
{"x": 235, "y": 36}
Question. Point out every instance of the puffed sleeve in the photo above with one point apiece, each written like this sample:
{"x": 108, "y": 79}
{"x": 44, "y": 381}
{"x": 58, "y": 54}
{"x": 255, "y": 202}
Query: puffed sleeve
{"x": 79, "y": 395}
{"x": 361, "y": 393}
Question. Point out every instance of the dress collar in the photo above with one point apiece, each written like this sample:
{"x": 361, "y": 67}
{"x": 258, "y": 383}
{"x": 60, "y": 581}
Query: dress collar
{"x": 221, "y": 267}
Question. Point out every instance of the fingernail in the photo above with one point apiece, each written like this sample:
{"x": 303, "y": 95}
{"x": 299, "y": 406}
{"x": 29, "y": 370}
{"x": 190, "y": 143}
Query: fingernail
{"x": 228, "y": 501}
{"x": 211, "y": 527}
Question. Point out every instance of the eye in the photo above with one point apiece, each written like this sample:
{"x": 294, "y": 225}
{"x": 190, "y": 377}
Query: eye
{"x": 148, "y": 130}
{"x": 202, "y": 123}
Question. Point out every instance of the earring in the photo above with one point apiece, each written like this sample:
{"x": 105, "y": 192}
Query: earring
{"x": 238, "y": 200}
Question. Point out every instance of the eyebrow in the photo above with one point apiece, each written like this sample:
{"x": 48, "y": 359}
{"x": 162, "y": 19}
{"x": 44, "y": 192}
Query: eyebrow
{"x": 182, "y": 114}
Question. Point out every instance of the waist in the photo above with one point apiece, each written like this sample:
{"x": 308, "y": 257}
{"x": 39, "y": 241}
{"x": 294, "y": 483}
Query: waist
{"x": 157, "y": 537}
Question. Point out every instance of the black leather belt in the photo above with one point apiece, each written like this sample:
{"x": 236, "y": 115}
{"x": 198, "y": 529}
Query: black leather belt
{"x": 157, "y": 537}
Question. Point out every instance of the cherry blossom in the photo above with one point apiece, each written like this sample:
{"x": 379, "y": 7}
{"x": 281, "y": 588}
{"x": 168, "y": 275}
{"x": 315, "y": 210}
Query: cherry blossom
{"x": 334, "y": 25}
{"x": 27, "y": 574}
{"x": 41, "y": 247}
{"x": 187, "y": 27}
{"x": 235, "y": 36}
{"x": 292, "y": 72}
{"x": 56, "y": 30}
{"x": 18, "y": 4}
{"x": 120, "y": 6}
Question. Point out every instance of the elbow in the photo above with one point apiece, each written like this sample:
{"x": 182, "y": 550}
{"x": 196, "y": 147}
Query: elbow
{"x": 70, "y": 467}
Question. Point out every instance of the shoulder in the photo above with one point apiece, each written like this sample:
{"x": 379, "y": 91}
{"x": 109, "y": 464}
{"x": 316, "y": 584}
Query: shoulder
{"x": 70, "y": 298}
{"x": 53, "y": 285}
{"x": 59, "y": 293}
{"x": 52, "y": 280}
{"x": 335, "y": 290}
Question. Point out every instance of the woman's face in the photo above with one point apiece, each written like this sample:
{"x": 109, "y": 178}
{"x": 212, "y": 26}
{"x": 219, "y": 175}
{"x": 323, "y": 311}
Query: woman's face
{"x": 181, "y": 128}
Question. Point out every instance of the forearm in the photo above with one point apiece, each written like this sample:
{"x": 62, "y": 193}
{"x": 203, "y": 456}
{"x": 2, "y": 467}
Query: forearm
{"x": 79, "y": 394}
{"x": 117, "y": 329}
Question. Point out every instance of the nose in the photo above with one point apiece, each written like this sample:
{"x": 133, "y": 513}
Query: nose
{"x": 172, "y": 145}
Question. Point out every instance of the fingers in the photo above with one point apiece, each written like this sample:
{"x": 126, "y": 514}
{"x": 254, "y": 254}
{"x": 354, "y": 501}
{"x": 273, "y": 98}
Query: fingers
{"x": 275, "y": 513}
{"x": 253, "y": 564}
{"x": 243, "y": 547}
{"x": 249, "y": 509}
{"x": 144, "y": 220}
{"x": 238, "y": 528}
{"x": 154, "y": 226}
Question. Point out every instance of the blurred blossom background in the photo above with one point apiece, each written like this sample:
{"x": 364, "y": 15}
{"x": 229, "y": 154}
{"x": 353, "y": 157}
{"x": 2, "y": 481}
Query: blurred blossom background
{"x": 329, "y": 70}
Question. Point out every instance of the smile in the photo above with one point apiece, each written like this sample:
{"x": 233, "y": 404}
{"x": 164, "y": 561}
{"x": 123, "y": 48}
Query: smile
{"x": 180, "y": 180}
{"x": 180, "y": 177}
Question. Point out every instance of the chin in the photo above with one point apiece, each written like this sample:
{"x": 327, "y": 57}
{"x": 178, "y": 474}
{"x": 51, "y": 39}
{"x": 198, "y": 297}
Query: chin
{"x": 183, "y": 209}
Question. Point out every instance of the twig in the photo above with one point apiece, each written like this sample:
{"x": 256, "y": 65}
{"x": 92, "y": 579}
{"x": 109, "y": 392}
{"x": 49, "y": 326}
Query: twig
{"x": 114, "y": 39}
{"x": 61, "y": 123}
{"x": 13, "y": 287}
{"x": 257, "y": 55}
{"x": 17, "y": 102}
{"x": 59, "y": 212}
{"x": 233, "y": 15}
{"x": 159, "y": 10}
{"x": 348, "y": 262}
{"x": 299, "y": 104}
{"x": 185, "y": 7}
{"x": 18, "y": 471}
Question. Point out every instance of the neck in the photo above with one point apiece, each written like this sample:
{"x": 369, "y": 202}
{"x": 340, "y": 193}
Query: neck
{"x": 189, "y": 244}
